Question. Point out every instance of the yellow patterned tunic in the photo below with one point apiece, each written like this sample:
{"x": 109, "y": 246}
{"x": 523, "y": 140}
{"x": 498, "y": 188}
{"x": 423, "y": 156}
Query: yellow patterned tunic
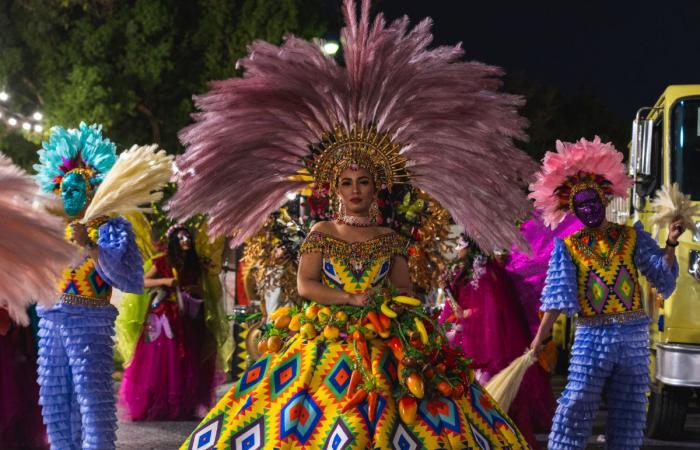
{"x": 608, "y": 282}
{"x": 293, "y": 399}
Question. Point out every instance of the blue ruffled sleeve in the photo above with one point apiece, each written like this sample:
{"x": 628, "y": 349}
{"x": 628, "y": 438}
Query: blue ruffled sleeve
{"x": 650, "y": 261}
{"x": 119, "y": 259}
{"x": 560, "y": 287}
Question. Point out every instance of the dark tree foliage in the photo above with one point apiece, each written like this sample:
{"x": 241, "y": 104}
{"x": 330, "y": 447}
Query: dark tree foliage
{"x": 133, "y": 65}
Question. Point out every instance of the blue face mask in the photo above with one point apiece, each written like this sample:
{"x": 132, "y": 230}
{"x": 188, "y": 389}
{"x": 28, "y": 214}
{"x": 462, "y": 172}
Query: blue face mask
{"x": 73, "y": 193}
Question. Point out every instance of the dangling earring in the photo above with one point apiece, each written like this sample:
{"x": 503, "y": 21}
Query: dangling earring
{"x": 340, "y": 212}
{"x": 374, "y": 211}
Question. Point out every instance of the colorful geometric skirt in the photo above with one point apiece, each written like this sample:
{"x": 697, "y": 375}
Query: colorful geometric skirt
{"x": 293, "y": 400}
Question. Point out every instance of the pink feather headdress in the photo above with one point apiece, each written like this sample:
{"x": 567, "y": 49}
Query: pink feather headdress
{"x": 575, "y": 166}
{"x": 32, "y": 248}
{"x": 421, "y": 115}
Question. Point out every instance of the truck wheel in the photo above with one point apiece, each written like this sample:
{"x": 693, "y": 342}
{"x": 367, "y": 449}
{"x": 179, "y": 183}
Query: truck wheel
{"x": 668, "y": 406}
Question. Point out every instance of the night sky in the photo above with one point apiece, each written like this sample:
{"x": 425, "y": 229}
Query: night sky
{"x": 623, "y": 51}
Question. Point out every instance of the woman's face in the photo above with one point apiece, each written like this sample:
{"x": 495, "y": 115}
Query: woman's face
{"x": 356, "y": 190}
{"x": 184, "y": 239}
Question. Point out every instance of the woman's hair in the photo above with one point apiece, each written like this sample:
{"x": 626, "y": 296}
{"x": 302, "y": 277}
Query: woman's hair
{"x": 184, "y": 261}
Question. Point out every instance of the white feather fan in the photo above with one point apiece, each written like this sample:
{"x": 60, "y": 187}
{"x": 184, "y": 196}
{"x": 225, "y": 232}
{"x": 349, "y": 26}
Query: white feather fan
{"x": 670, "y": 204}
{"x": 134, "y": 180}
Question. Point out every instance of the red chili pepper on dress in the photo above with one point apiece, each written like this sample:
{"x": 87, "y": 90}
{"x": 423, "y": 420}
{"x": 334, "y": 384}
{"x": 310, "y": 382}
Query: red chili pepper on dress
{"x": 354, "y": 400}
{"x": 355, "y": 380}
{"x": 372, "y": 400}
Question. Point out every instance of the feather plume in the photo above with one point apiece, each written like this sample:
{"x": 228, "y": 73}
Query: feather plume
{"x": 134, "y": 180}
{"x": 32, "y": 248}
{"x": 571, "y": 158}
{"x": 456, "y": 130}
{"x": 670, "y": 204}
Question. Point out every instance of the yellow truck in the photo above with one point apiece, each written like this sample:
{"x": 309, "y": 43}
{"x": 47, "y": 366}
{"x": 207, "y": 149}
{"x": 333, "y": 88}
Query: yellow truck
{"x": 665, "y": 149}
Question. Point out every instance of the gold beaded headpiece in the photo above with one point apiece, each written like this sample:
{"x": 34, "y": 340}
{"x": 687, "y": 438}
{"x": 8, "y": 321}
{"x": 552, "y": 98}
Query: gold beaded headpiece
{"x": 359, "y": 147}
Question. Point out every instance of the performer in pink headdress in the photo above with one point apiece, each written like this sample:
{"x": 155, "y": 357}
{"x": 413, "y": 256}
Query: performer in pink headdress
{"x": 595, "y": 273}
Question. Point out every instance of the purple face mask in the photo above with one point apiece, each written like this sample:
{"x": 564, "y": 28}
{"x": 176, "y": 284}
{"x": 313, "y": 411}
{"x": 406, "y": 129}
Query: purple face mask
{"x": 589, "y": 208}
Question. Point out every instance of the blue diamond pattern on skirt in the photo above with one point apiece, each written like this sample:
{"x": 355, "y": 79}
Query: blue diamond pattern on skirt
{"x": 403, "y": 439}
{"x": 206, "y": 436}
{"x": 340, "y": 437}
{"x": 252, "y": 437}
{"x": 299, "y": 417}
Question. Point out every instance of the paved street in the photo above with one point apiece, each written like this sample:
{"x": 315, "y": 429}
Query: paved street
{"x": 169, "y": 435}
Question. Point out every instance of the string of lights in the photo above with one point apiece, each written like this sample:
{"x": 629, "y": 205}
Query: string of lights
{"x": 30, "y": 124}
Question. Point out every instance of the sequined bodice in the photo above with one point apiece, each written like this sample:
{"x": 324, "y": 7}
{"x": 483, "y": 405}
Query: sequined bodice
{"x": 83, "y": 279}
{"x": 355, "y": 266}
{"x": 607, "y": 276}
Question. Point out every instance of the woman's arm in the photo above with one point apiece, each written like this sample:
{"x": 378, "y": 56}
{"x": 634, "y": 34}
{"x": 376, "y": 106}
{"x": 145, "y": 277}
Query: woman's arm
{"x": 150, "y": 280}
{"x": 399, "y": 275}
{"x": 309, "y": 284}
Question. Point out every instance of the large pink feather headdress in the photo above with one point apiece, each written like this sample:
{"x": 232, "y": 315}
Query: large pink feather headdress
{"x": 422, "y": 115}
{"x": 575, "y": 166}
{"x": 32, "y": 248}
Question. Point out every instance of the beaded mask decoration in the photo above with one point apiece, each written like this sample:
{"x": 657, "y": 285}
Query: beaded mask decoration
{"x": 73, "y": 163}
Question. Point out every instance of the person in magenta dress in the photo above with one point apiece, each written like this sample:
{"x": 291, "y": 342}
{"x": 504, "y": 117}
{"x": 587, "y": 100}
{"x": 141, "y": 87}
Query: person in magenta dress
{"x": 491, "y": 328}
{"x": 172, "y": 374}
{"x": 21, "y": 426}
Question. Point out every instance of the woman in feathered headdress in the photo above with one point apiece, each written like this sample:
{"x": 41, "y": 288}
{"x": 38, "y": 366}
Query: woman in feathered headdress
{"x": 595, "y": 273}
{"x": 75, "y": 346}
{"x": 396, "y": 112}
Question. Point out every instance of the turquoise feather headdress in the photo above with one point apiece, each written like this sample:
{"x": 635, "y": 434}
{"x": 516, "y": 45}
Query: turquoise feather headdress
{"x": 82, "y": 150}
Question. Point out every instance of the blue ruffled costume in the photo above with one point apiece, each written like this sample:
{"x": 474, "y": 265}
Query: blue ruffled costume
{"x": 614, "y": 355}
{"x": 76, "y": 346}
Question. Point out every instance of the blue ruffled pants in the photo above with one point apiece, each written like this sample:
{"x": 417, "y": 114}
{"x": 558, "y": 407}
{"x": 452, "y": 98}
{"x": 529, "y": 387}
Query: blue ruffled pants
{"x": 75, "y": 376}
{"x": 611, "y": 357}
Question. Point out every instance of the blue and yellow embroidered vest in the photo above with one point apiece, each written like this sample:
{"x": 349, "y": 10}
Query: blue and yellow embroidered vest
{"x": 354, "y": 266}
{"x": 608, "y": 282}
{"x": 82, "y": 279}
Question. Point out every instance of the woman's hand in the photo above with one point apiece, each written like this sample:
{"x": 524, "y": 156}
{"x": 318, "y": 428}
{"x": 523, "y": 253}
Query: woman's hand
{"x": 169, "y": 282}
{"x": 358, "y": 299}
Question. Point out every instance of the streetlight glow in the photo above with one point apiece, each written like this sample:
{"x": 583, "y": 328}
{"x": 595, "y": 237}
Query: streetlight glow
{"x": 12, "y": 121}
{"x": 27, "y": 126}
{"x": 330, "y": 48}
{"x": 4, "y": 96}
{"x": 38, "y": 128}
{"x": 37, "y": 116}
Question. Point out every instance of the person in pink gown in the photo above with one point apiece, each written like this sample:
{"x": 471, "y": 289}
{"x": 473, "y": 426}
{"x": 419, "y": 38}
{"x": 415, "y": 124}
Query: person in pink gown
{"x": 172, "y": 375}
{"x": 491, "y": 327}
{"x": 21, "y": 425}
